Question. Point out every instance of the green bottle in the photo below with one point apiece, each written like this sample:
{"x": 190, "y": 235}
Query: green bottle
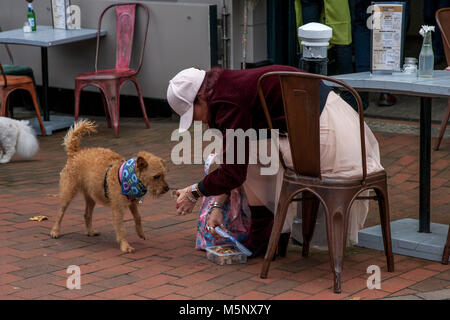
{"x": 31, "y": 17}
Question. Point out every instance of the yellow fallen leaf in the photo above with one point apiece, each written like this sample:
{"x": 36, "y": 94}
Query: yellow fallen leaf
{"x": 38, "y": 218}
{"x": 355, "y": 298}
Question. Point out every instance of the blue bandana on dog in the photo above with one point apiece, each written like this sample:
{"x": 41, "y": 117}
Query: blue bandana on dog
{"x": 129, "y": 182}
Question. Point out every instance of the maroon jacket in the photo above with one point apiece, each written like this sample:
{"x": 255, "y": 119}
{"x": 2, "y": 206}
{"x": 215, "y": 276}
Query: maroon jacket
{"x": 234, "y": 104}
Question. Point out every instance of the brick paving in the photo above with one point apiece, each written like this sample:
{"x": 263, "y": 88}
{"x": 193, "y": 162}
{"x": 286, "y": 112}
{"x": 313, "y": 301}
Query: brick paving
{"x": 166, "y": 265}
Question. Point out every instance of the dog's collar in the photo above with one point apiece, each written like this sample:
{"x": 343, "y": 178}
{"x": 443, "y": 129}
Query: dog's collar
{"x": 129, "y": 182}
{"x": 105, "y": 182}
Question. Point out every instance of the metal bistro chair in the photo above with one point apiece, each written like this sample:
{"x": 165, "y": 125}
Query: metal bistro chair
{"x": 12, "y": 69}
{"x": 300, "y": 92}
{"x": 110, "y": 81}
{"x": 443, "y": 21}
{"x": 8, "y": 84}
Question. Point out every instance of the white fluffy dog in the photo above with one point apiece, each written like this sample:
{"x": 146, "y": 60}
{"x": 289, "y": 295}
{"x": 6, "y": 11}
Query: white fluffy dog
{"x": 16, "y": 136}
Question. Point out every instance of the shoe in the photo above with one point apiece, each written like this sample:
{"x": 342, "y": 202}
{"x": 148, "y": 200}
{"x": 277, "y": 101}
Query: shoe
{"x": 260, "y": 251}
{"x": 386, "y": 100}
{"x": 281, "y": 250}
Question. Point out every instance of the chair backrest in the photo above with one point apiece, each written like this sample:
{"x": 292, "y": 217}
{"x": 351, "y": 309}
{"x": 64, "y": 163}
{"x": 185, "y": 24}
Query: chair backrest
{"x": 443, "y": 21}
{"x": 301, "y": 100}
{"x": 125, "y": 22}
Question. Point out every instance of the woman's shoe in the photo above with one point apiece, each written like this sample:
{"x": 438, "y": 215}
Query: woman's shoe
{"x": 281, "y": 250}
{"x": 260, "y": 251}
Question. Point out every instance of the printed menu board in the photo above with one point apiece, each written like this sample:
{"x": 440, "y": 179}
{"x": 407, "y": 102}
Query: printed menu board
{"x": 387, "y": 35}
{"x": 59, "y": 8}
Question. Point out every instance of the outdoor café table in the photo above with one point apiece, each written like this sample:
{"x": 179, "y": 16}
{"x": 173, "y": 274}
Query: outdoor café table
{"x": 426, "y": 88}
{"x": 44, "y": 37}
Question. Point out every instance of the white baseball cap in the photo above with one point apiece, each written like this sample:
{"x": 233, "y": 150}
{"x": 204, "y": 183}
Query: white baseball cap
{"x": 181, "y": 93}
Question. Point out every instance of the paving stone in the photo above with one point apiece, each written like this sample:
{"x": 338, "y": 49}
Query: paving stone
{"x": 435, "y": 295}
{"x": 406, "y": 297}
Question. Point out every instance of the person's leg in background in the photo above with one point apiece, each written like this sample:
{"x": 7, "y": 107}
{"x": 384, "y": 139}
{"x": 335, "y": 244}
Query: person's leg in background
{"x": 311, "y": 10}
{"x": 361, "y": 34}
{"x": 361, "y": 44}
{"x": 344, "y": 59}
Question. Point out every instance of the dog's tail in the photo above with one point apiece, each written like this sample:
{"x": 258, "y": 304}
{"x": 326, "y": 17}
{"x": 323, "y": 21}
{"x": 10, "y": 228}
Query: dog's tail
{"x": 73, "y": 136}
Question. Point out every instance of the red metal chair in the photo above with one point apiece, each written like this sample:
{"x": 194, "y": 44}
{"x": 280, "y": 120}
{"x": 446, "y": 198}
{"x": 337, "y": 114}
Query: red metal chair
{"x": 111, "y": 80}
{"x": 443, "y": 21}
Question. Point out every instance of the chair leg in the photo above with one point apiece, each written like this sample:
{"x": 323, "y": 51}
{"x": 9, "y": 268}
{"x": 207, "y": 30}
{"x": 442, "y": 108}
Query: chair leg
{"x": 115, "y": 110}
{"x": 385, "y": 221}
{"x": 443, "y": 126}
{"x": 141, "y": 100}
{"x": 105, "y": 106}
{"x": 36, "y": 108}
{"x": 3, "y": 99}
{"x": 78, "y": 88}
{"x": 337, "y": 214}
{"x": 283, "y": 203}
{"x": 7, "y": 100}
{"x": 8, "y": 105}
{"x": 310, "y": 208}
{"x": 2, "y": 103}
{"x": 446, "y": 253}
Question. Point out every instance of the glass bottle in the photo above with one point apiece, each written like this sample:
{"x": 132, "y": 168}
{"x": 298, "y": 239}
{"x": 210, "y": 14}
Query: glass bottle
{"x": 426, "y": 57}
{"x": 31, "y": 17}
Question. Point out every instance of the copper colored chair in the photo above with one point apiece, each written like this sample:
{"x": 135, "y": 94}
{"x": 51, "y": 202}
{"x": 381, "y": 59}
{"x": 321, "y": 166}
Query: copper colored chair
{"x": 8, "y": 84}
{"x": 300, "y": 92}
{"x": 443, "y": 21}
{"x": 110, "y": 81}
{"x": 446, "y": 253}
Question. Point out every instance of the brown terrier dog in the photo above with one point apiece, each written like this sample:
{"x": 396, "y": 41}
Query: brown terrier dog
{"x": 95, "y": 173}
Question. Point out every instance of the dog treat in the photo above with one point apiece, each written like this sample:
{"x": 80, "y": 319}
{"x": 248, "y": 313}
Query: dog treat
{"x": 38, "y": 218}
{"x": 225, "y": 254}
{"x": 223, "y": 250}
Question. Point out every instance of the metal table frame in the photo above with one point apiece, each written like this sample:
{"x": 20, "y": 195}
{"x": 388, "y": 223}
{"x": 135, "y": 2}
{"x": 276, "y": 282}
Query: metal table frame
{"x": 426, "y": 89}
{"x": 45, "y": 37}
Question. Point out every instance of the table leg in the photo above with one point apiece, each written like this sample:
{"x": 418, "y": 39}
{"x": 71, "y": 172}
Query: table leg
{"x": 425, "y": 163}
{"x": 44, "y": 101}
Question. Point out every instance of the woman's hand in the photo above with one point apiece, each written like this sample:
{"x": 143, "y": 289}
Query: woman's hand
{"x": 184, "y": 205}
{"x": 215, "y": 219}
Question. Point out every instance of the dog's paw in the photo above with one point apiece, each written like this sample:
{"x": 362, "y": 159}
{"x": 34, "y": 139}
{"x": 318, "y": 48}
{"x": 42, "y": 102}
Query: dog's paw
{"x": 126, "y": 248}
{"x": 92, "y": 233}
{"x": 54, "y": 234}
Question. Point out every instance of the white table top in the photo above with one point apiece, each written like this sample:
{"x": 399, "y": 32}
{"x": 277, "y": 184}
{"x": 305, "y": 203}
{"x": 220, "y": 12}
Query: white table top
{"x": 437, "y": 86}
{"x": 47, "y": 36}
